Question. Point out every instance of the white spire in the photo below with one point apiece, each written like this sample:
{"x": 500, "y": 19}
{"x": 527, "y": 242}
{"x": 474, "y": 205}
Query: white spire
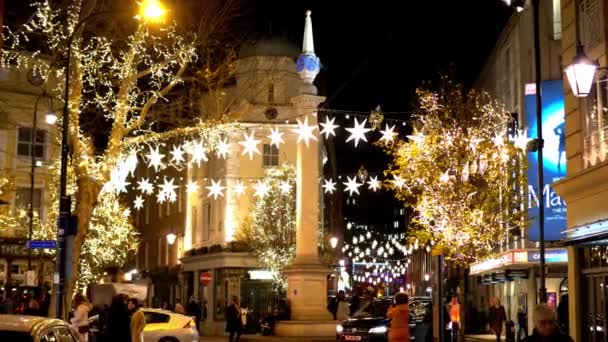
{"x": 308, "y": 45}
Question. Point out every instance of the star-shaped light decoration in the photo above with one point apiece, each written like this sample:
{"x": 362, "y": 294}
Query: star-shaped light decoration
{"x": 352, "y": 186}
{"x": 192, "y": 187}
{"x": 389, "y": 134}
{"x": 285, "y": 187}
{"x": 358, "y": 132}
{"x": 261, "y": 189}
{"x": 373, "y": 183}
{"x": 239, "y": 188}
{"x": 118, "y": 180}
{"x": 145, "y": 186}
{"x": 398, "y": 181}
{"x": 276, "y": 137}
{"x": 155, "y": 159}
{"x": 250, "y": 145}
{"x": 138, "y": 203}
{"x": 177, "y": 155}
{"x": 223, "y": 149}
{"x": 305, "y": 132}
{"x": 199, "y": 153}
{"x": 329, "y": 186}
{"x": 215, "y": 189}
{"x": 445, "y": 177}
{"x": 329, "y": 128}
{"x": 168, "y": 189}
{"x": 521, "y": 140}
{"x": 499, "y": 140}
{"x": 161, "y": 197}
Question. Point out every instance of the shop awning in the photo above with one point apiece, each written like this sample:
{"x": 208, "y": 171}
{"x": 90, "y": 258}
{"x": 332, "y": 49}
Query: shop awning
{"x": 521, "y": 258}
{"x": 593, "y": 233}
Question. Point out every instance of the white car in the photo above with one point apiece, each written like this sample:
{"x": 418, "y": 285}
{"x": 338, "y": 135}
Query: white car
{"x": 15, "y": 328}
{"x": 165, "y": 326}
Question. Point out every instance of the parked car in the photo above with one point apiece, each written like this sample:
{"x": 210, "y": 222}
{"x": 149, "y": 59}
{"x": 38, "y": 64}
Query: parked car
{"x": 161, "y": 326}
{"x": 369, "y": 323}
{"x": 16, "y": 328}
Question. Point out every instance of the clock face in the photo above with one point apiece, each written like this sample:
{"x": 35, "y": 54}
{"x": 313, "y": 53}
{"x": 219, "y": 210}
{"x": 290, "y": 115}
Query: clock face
{"x": 307, "y": 62}
{"x": 271, "y": 113}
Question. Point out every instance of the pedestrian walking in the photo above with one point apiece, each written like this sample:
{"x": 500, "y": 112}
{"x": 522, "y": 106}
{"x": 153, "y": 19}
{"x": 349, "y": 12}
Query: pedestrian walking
{"x": 454, "y": 318}
{"x": 118, "y": 325}
{"x": 545, "y": 326}
{"x": 194, "y": 309}
{"x": 80, "y": 321}
{"x": 355, "y": 302}
{"x": 399, "y": 314}
{"x": 522, "y": 323}
{"x": 234, "y": 324}
{"x": 342, "y": 307}
{"x": 498, "y": 317}
{"x": 332, "y": 307}
{"x": 138, "y": 321}
{"x": 244, "y": 312}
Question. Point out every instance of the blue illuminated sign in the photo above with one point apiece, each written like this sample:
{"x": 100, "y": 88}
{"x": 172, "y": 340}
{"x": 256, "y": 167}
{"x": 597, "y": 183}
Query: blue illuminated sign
{"x": 551, "y": 255}
{"x": 554, "y": 161}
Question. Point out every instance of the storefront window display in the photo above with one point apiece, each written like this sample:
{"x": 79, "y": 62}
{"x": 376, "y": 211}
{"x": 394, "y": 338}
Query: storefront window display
{"x": 594, "y": 282}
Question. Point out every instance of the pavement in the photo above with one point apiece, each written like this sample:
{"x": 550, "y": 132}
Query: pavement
{"x": 254, "y": 338}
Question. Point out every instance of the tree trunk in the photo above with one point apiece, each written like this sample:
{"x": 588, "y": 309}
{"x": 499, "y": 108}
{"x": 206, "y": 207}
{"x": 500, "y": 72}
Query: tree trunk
{"x": 86, "y": 199}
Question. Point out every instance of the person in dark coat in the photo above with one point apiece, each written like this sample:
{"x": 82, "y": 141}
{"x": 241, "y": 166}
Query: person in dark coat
{"x": 119, "y": 324}
{"x": 545, "y": 326}
{"x": 498, "y": 316}
{"x": 355, "y": 302}
{"x": 194, "y": 309}
{"x": 234, "y": 324}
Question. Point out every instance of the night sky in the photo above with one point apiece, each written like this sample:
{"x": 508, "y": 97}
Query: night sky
{"x": 378, "y": 52}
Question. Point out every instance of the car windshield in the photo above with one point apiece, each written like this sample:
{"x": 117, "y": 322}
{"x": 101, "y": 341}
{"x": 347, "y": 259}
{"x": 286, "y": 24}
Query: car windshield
{"x": 15, "y": 336}
{"x": 374, "y": 309}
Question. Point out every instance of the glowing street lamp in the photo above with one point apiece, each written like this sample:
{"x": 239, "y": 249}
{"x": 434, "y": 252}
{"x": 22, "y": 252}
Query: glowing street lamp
{"x": 50, "y": 118}
{"x": 333, "y": 242}
{"x": 171, "y": 238}
{"x": 152, "y": 11}
{"x": 581, "y": 73}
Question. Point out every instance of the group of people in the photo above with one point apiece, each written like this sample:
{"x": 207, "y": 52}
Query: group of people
{"x": 122, "y": 321}
{"x": 546, "y": 327}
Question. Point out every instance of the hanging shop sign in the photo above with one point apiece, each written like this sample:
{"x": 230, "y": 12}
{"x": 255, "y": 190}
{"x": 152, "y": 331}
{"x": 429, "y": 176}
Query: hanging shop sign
{"x": 554, "y": 160}
{"x": 520, "y": 257}
{"x": 551, "y": 256}
{"x": 516, "y": 274}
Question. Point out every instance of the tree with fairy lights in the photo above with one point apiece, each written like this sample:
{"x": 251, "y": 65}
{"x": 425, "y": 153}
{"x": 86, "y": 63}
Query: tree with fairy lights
{"x": 459, "y": 172}
{"x": 118, "y": 74}
{"x": 270, "y": 230}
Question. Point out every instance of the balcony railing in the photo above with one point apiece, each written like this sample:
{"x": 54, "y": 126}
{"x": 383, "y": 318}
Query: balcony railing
{"x": 596, "y": 147}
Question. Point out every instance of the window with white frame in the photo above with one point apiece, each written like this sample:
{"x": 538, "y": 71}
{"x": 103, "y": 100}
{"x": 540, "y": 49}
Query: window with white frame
{"x": 207, "y": 222}
{"x": 271, "y": 155}
{"x": 24, "y": 142}
{"x": 557, "y": 20}
{"x": 595, "y": 109}
{"x": 22, "y": 200}
{"x": 591, "y": 21}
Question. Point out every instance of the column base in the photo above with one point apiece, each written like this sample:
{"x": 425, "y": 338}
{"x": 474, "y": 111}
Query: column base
{"x": 307, "y": 330}
{"x": 307, "y": 290}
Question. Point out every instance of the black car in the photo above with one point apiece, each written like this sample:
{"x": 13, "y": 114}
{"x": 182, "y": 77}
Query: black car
{"x": 369, "y": 323}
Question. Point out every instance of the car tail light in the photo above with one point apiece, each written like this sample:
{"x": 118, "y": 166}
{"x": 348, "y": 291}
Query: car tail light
{"x": 190, "y": 324}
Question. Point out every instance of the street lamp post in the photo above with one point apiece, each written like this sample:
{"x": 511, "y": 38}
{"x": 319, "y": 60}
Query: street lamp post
{"x": 519, "y": 6}
{"x": 150, "y": 11}
{"x": 33, "y": 136}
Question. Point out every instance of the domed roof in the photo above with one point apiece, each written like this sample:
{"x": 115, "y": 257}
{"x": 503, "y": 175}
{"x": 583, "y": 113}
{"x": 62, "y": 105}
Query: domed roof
{"x": 274, "y": 46}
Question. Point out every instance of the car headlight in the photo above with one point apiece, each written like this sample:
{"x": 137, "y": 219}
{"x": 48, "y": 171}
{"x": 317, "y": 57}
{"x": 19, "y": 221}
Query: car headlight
{"x": 339, "y": 328}
{"x": 378, "y": 330}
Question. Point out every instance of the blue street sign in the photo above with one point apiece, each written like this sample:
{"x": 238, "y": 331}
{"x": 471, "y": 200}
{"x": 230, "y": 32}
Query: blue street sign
{"x": 41, "y": 244}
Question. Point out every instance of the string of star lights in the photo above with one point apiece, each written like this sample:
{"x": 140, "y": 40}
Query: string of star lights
{"x": 376, "y": 257}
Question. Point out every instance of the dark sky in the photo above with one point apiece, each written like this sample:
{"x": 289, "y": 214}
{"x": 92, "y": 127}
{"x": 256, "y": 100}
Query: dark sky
{"x": 378, "y": 52}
